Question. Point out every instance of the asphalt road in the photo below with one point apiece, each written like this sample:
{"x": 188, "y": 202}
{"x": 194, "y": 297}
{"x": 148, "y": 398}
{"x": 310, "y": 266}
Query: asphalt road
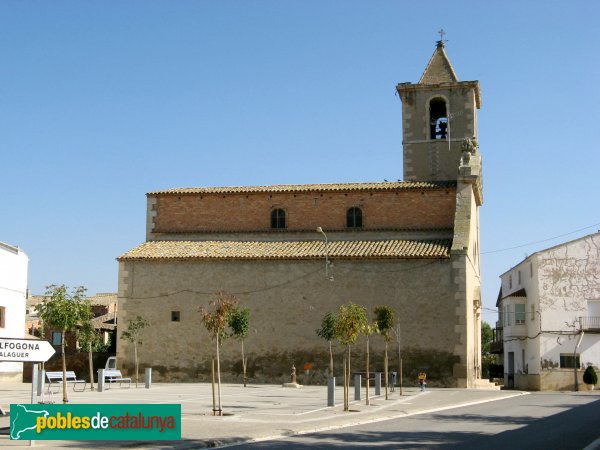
{"x": 537, "y": 421}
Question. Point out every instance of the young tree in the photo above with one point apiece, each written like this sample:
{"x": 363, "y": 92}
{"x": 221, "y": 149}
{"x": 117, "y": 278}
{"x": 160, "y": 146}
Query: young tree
{"x": 327, "y": 332}
{"x": 133, "y": 335}
{"x": 239, "y": 323}
{"x": 64, "y": 311}
{"x": 368, "y": 330}
{"x": 384, "y": 317}
{"x": 88, "y": 338}
{"x": 215, "y": 321}
{"x": 349, "y": 324}
{"x": 397, "y": 332}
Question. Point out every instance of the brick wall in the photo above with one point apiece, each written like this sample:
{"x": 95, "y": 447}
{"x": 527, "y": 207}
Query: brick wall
{"x": 252, "y": 211}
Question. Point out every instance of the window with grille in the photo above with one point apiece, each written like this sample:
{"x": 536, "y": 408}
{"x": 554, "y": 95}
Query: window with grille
{"x": 519, "y": 314}
{"x": 354, "y": 218}
{"x": 567, "y": 361}
{"x": 278, "y": 218}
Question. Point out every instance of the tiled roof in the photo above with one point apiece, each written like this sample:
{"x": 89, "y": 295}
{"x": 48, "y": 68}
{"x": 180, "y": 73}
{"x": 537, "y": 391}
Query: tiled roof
{"x": 329, "y": 187}
{"x": 386, "y": 249}
{"x": 103, "y": 299}
{"x": 104, "y": 322}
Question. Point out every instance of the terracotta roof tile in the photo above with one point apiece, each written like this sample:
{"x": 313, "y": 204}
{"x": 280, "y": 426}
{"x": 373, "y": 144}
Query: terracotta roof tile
{"x": 104, "y": 322}
{"x": 331, "y": 187}
{"x": 100, "y": 299}
{"x": 386, "y": 249}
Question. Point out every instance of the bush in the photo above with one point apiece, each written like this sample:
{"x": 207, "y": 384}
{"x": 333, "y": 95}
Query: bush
{"x": 589, "y": 376}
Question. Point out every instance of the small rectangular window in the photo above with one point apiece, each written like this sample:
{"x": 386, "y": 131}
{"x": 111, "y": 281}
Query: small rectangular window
{"x": 519, "y": 275}
{"x": 510, "y": 281}
{"x": 2, "y": 316}
{"x": 530, "y": 270}
{"x": 568, "y": 362}
{"x": 519, "y": 314}
{"x": 175, "y": 316}
{"x": 56, "y": 338}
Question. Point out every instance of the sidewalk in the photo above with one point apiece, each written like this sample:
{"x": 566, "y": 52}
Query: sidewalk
{"x": 257, "y": 412}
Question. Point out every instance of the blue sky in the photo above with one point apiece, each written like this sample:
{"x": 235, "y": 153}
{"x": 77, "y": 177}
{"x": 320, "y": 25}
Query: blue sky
{"x": 101, "y": 102}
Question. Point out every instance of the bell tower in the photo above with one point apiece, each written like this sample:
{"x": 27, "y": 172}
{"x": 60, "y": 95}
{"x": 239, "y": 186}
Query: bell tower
{"x": 438, "y": 114}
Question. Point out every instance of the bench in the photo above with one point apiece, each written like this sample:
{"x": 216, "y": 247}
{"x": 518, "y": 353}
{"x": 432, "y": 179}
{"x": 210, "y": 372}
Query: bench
{"x": 115, "y": 376}
{"x": 56, "y": 378}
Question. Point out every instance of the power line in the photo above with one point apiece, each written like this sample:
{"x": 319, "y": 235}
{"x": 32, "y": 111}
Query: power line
{"x": 538, "y": 242}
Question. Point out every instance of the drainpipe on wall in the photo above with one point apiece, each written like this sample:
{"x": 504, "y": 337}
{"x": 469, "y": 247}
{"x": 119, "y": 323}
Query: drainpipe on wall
{"x": 575, "y": 358}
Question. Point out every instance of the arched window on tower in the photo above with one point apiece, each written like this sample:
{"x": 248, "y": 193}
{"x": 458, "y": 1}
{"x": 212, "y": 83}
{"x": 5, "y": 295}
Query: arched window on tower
{"x": 438, "y": 116}
{"x": 354, "y": 217}
{"x": 278, "y": 218}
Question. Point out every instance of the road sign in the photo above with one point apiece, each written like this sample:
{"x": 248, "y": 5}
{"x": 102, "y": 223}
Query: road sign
{"x": 25, "y": 350}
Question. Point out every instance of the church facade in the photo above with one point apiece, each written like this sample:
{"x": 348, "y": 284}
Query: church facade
{"x": 412, "y": 245}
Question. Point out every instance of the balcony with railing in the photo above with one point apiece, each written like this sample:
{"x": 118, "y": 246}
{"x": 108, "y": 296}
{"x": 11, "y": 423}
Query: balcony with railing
{"x": 497, "y": 344}
{"x": 591, "y": 324}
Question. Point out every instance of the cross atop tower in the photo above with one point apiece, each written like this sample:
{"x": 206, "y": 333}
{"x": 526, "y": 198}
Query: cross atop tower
{"x": 441, "y": 42}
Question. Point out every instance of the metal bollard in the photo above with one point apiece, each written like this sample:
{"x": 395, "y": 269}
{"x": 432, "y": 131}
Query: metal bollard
{"x": 148, "y": 377}
{"x": 377, "y": 383}
{"x": 40, "y": 381}
{"x": 357, "y": 383}
{"x": 34, "y": 382}
{"x": 331, "y": 391}
{"x": 100, "y": 380}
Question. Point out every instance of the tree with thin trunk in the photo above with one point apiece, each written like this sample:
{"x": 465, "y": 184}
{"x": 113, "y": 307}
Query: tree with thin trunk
{"x": 133, "y": 335}
{"x": 239, "y": 323}
{"x": 64, "y": 311}
{"x": 368, "y": 330}
{"x": 385, "y": 319}
{"x": 349, "y": 324}
{"x": 399, "y": 342}
{"x": 89, "y": 339}
{"x": 215, "y": 321}
{"x": 327, "y": 332}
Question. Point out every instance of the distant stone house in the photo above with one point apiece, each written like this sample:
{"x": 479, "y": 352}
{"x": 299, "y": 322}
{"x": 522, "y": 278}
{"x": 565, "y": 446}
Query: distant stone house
{"x": 13, "y": 290}
{"x": 412, "y": 245}
{"x": 548, "y": 330}
{"x": 104, "y": 310}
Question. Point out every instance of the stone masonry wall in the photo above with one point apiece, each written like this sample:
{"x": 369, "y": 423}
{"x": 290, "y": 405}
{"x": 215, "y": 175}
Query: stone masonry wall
{"x": 304, "y": 211}
{"x": 287, "y": 300}
{"x": 430, "y": 159}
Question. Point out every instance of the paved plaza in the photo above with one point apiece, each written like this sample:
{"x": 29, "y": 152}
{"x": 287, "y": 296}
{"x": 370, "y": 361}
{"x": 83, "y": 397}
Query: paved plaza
{"x": 256, "y": 412}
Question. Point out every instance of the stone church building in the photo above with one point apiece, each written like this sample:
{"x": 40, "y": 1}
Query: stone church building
{"x": 412, "y": 245}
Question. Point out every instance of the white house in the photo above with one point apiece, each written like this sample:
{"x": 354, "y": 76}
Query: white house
{"x": 549, "y": 316}
{"x": 13, "y": 291}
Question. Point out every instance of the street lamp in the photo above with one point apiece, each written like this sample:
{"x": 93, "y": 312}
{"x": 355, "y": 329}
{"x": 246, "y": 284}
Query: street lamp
{"x": 327, "y": 262}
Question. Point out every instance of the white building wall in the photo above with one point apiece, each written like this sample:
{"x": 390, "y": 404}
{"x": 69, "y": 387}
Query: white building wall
{"x": 565, "y": 286}
{"x": 13, "y": 291}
